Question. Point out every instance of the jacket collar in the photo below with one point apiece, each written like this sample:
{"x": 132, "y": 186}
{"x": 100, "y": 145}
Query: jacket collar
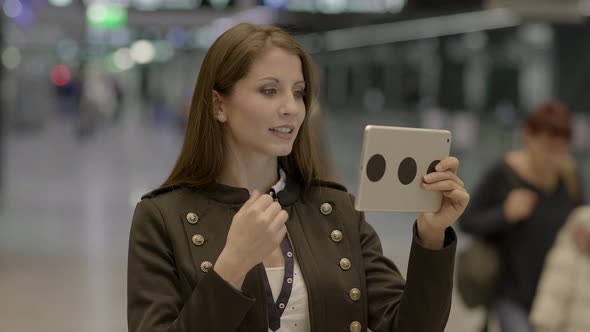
{"x": 234, "y": 195}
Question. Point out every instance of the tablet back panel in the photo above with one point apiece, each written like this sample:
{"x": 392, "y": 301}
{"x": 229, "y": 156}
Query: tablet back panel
{"x": 393, "y": 162}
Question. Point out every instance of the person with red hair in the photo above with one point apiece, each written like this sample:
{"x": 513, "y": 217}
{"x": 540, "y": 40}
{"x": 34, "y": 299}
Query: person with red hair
{"x": 520, "y": 206}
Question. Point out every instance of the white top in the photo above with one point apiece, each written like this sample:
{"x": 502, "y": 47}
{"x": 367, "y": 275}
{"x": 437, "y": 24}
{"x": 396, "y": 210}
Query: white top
{"x": 295, "y": 318}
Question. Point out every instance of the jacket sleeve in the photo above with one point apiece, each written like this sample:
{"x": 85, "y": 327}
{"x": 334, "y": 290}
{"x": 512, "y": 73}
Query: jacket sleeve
{"x": 154, "y": 301}
{"x": 423, "y": 303}
{"x": 484, "y": 216}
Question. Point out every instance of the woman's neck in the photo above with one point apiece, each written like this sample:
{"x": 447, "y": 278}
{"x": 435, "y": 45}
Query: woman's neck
{"x": 540, "y": 173}
{"x": 250, "y": 171}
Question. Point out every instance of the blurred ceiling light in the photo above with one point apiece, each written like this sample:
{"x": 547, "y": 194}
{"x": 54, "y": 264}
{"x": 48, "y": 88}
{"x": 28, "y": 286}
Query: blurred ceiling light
{"x": 395, "y": 6}
{"x": 108, "y": 16}
{"x": 376, "y": 6}
{"x": 219, "y": 4}
{"x": 331, "y": 6}
{"x": 96, "y": 12}
{"x": 147, "y": 4}
{"x": 424, "y": 28}
{"x": 183, "y": 4}
{"x": 26, "y": 17}
{"x": 11, "y": 57}
{"x": 67, "y": 49}
{"x": 338, "y": 6}
{"x": 143, "y": 51}
{"x": 275, "y": 4}
{"x": 60, "y": 3}
{"x": 12, "y": 8}
{"x": 538, "y": 34}
{"x": 60, "y": 75}
{"x": 122, "y": 59}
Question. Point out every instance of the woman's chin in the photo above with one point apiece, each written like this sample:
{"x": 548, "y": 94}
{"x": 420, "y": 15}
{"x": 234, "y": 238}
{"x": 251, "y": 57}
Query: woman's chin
{"x": 282, "y": 151}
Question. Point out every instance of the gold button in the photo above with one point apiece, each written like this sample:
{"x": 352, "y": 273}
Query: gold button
{"x": 336, "y": 236}
{"x": 355, "y": 326}
{"x": 198, "y": 239}
{"x": 345, "y": 264}
{"x": 355, "y": 294}
{"x": 326, "y": 209}
{"x": 192, "y": 218}
{"x": 206, "y": 266}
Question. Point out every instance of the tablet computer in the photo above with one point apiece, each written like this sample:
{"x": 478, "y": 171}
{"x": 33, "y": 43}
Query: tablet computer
{"x": 393, "y": 162}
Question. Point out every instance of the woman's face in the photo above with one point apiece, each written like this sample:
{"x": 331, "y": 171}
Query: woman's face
{"x": 547, "y": 149}
{"x": 265, "y": 109}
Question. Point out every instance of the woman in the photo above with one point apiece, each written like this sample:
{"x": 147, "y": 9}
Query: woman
{"x": 244, "y": 236}
{"x": 520, "y": 206}
{"x": 561, "y": 302}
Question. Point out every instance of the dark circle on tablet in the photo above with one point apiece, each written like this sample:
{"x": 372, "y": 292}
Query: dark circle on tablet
{"x": 407, "y": 171}
{"x": 376, "y": 168}
{"x": 432, "y": 167}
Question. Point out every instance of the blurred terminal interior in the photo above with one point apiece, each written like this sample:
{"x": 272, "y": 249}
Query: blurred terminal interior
{"x": 453, "y": 64}
{"x": 94, "y": 96}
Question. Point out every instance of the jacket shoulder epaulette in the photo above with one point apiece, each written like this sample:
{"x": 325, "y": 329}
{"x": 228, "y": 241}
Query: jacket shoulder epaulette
{"x": 160, "y": 191}
{"x": 329, "y": 184}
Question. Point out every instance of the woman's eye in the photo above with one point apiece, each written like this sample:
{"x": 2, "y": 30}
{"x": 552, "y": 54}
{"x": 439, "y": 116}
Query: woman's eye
{"x": 269, "y": 91}
{"x": 299, "y": 94}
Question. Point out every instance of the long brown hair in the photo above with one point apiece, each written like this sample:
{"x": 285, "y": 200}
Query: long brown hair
{"x": 227, "y": 61}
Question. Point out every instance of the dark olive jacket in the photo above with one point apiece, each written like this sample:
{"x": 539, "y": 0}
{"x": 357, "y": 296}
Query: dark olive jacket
{"x": 177, "y": 231}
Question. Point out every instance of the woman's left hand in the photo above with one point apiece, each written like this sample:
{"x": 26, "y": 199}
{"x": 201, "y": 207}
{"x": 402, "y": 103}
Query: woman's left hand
{"x": 432, "y": 226}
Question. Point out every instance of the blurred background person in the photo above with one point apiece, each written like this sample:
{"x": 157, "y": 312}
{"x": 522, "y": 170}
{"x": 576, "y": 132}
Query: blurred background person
{"x": 521, "y": 204}
{"x": 561, "y": 302}
{"x": 100, "y": 100}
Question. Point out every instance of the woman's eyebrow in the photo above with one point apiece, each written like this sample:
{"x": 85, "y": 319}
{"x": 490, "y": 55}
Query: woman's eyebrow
{"x": 277, "y": 80}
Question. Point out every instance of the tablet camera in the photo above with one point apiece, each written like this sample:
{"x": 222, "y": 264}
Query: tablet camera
{"x": 376, "y": 168}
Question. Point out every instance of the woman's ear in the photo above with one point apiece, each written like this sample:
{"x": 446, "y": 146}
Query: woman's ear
{"x": 219, "y": 107}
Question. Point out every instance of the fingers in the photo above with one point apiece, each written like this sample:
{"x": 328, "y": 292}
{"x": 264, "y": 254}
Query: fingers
{"x": 261, "y": 203}
{"x": 278, "y": 226}
{"x": 272, "y": 211}
{"x": 281, "y": 218}
{"x": 460, "y": 196}
{"x": 280, "y": 234}
{"x": 525, "y": 195}
{"x": 445, "y": 185}
{"x": 253, "y": 197}
{"x": 440, "y": 176}
{"x": 448, "y": 164}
